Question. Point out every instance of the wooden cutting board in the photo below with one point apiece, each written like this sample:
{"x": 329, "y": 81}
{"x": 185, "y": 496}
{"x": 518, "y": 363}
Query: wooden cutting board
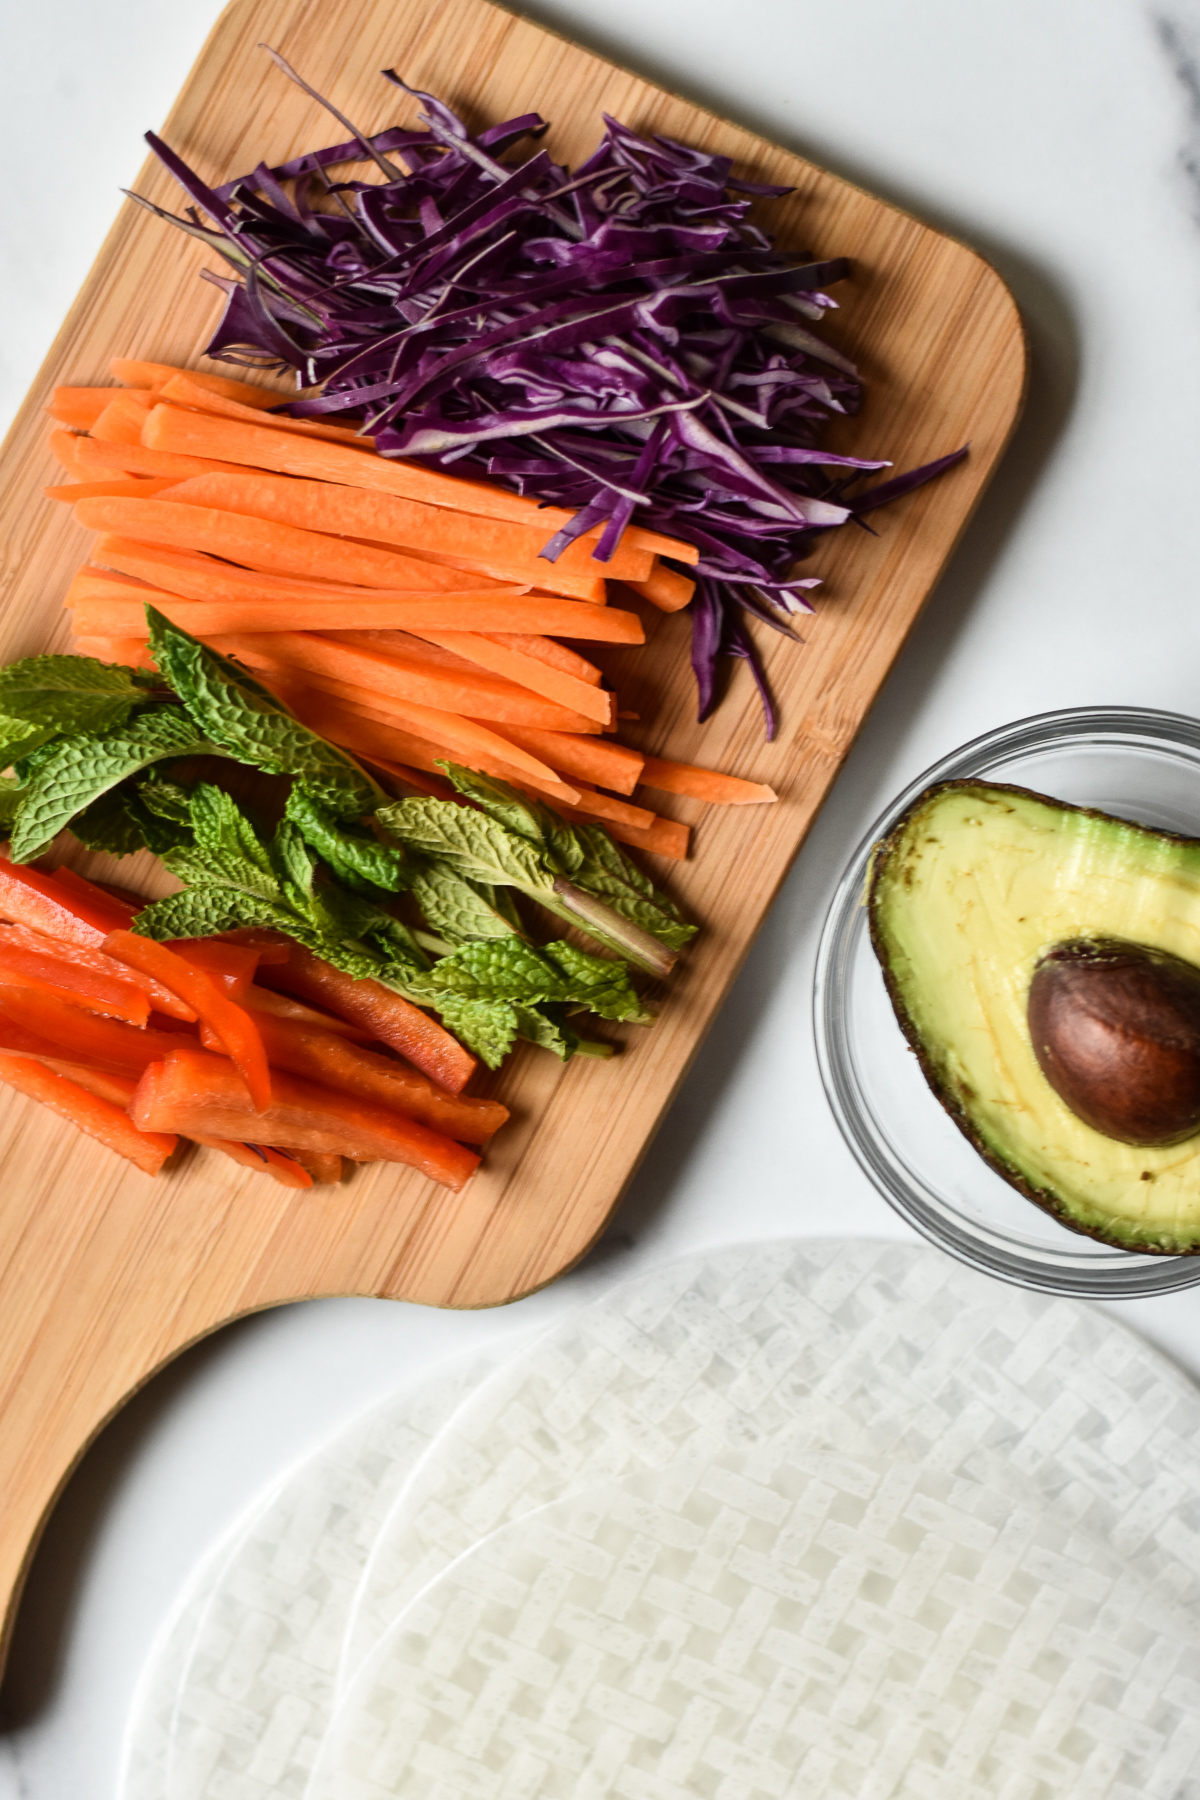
{"x": 106, "y": 1274}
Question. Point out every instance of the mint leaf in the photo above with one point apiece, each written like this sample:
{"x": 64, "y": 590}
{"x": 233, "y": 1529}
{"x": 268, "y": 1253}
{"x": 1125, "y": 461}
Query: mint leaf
{"x": 520, "y": 813}
{"x": 19, "y": 739}
{"x": 108, "y": 824}
{"x": 221, "y": 828}
{"x": 237, "y": 712}
{"x": 205, "y": 911}
{"x": 596, "y": 982}
{"x": 10, "y": 795}
{"x": 510, "y": 969}
{"x": 609, "y": 875}
{"x": 459, "y": 910}
{"x": 69, "y": 775}
{"x": 167, "y": 800}
{"x": 474, "y": 845}
{"x": 71, "y": 693}
{"x": 487, "y": 1027}
{"x": 540, "y": 1027}
{"x": 355, "y": 857}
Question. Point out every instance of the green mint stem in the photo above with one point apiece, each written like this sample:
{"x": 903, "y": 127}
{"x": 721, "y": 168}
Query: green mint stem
{"x": 608, "y": 927}
{"x": 592, "y": 1047}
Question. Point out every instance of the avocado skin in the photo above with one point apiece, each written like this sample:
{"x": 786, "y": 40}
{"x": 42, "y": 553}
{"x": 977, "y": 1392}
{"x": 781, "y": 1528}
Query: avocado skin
{"x": 1121, "y": 1234}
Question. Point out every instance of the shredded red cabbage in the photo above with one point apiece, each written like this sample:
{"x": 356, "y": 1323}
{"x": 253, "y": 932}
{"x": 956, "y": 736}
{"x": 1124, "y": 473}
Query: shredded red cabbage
{"x": 623, "y": 342}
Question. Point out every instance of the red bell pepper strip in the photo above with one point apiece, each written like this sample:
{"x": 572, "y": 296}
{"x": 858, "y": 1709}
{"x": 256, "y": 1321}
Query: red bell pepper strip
{"x": 101, "y": 900}
{"x": 288, "y": 1171}
{"x": 52, "y": 967}
{"x": 231, "y": 966}
{"x": 200, "y": 1095}
{"x": 81, "y": 1036}
{"x": 325, "y": 1057}
{"x": 233, "y": 1025}
{"x": 108, "y": 1124}
{"x": 387, "y": 1016}
{"x": 282, "y": 1006}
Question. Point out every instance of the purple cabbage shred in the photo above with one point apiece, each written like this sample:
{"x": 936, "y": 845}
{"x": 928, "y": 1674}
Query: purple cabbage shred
{"x": 624, "y": 342}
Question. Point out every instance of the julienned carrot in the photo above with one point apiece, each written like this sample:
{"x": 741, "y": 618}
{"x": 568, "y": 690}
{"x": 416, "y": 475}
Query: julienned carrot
{"x": 122, "y": 419}
{"x": 136, "y": 374}
{"x": 260, "y": 544}
{"x": 64, "y": 449}
{"x": 135, "y": 487}
{"x": 100, "y": 1119}
{"x": 232, "y": 1023}
{"x": 541, "y": 578}
{"x": 664, "y": 588}
{"x": 565, "y": 690}
{"x": 259, "y": 447}
{"x": 613, "y": 811}
{"x": 387, "y": 1016}
{"x": 109, "y": 608}
{"x": 79, "y": 407}
{"x": 202, "y": 1095}
{"x": 383, "y": 741}
{"x": 558, "y": 656}
{"x": 388, "y": 676}
{"x": 664, "y": 838}
{"x": 609, "y": 765}
{"x": 325, "y": 1057}
{"x": 704, "y": 784}
{"x": 51, "y": 968}
{"x": 184, "y": 390}
{"x": 389, "y": 519}
{"x": 94, "y": 457}
{"x": 264, "y": 1159}
{"x": 131, "y": 653}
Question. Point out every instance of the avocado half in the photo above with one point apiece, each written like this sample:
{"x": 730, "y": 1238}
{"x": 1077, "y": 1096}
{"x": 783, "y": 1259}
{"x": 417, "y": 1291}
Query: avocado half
{"x": 970, "y": 888}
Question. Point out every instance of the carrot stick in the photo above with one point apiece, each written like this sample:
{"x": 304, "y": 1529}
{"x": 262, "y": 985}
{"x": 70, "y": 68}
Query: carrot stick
{"x": 323, "y": 1056}
{"x": 387, "y": 1016}
{"x": 541, "y": 577}
{"x": 665, "y": 837}
{"x": 385, "y": 675}
{"x": 664, "y": 588}
{"x": 133, "y": 488}
{"x": 64, "y": 447}
{"x": 184, "y": 390}
{"x": 79, "y": 407}
{"x": 232, "y": 1023}
{"x": 122, "y": 419}
{"x": 130, "y": 653}
{"x": 613, "y": 811}
{"x": 704, "y": 784}
{"x": 133, "y": 373}
{"x": 100, "y": 1119}
{"x": 263, "y": 545}
{"x": 201, "y": 1094}
{"x": 556, "y": 655}
{"x": 264, "y": 1159}
{"x": 388, "y": 519}
{"x": 94, "y": 457}
{"x": 256, "y": 446}
{"x": 584, "y": 758}
{"x": 567, "y": 690}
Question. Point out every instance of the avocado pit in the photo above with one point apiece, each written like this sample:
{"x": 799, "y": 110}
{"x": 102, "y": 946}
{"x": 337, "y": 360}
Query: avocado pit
{"x": 1115, "y": 1028}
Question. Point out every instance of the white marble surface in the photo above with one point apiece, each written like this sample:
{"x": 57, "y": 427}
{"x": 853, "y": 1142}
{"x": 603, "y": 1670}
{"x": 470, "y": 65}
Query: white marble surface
{"x": 1064, "y": 141}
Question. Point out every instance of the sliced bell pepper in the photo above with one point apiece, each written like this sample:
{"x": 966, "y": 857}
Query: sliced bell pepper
{"x": 85, "y": 1037}
{"x": 282, "y": 1006}
{"x": 201, "y": 1095}
{"x": 387, "y": 1016}
{"x": 52, "y": 968}
{"x": 231, "y": 966}
{"x": 323, "y": 1166}
{"x": 232, "y": 1023}
{"x": 78, "y": 957}
{"x": 287, "y": 1170}
{"x": 108, "y": 1124}
{"x": 325, "y": 1057}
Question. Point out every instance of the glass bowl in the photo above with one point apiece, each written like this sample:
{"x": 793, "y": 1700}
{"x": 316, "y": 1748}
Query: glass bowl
{"x": 1140, "y": 765}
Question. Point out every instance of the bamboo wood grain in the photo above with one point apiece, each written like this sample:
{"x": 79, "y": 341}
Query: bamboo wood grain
{"x": 106, "y": 1274}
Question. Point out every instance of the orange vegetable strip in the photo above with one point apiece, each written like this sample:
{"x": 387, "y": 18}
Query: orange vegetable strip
{"x": 538, "y": 576}
{"x": 323, "y": 1165}
{"x": 119, "y": 1089}
{"x": 93, "y": 456}
{"x": 202, "y": 1095}
{"x": 233, "y": 1024}
{"x": 133, "y": 373}
{"x": 665, "y": 837}
{"x": 389, "y": 519}
{"x": 79, "y": 407}
{"x": 101, "y": 898}
{"x": 75, "y": 911}
{"x": 107, "y": 608}
{"x": 387, "y": 1016}
{"x": 122, "y": 419}
{"x": 323, "y": 1056}
{"x": 282, "y": 1006}
{"x": 100, "y": 1119}
{"x": 609, "y": 765}
{"x": 556, "y": 655}
{"x": 132, "y": 653}
{"x": 665, "y": 588}
{"x": 387, "y": 675}
{"x": 52, "y": 968}
{"x": 107, "y": 1044}
{"x": 184, "y": 390}
{"x": 567, "y": 690}
{"x": 95, "y": 961}
{"x": 64, "y": 449}
{"x": 231, "y": 966}
{"x": 704, "y": 784}
{"x": 264, "y": 1159}
{"x": 26, "y": 1043}
{"x": 387, "y": 742}
{"x": 261, "y": 544}
{"x": 613, "y": 811}
{"x": 254, "y": 445}
{"x": 135, "y": 488}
